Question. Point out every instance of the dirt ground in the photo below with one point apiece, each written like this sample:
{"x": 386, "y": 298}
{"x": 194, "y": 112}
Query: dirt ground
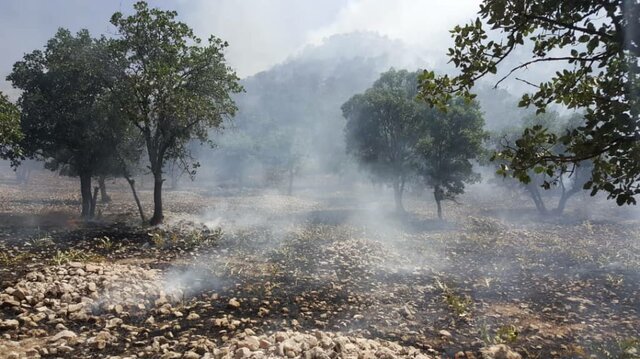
{"x": 232, "y": 265}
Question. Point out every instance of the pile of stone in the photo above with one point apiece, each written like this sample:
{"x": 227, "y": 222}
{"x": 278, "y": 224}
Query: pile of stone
{"x": 320, "y": 345}
{"x": 76, "y": 291}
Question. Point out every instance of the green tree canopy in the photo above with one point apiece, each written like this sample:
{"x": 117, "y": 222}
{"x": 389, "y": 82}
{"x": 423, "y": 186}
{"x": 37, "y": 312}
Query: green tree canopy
{"x": 561, "y": 183}
{"x": 172, "y": 89}
{"x": 10, "y": 133}
{"x": 62, "y": 110}
{"x": 597, "y": 42}
{"x": 453, "y": 139}
{"x": 383, "y": 126}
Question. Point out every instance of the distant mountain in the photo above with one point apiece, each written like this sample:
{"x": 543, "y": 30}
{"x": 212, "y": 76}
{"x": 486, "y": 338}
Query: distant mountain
{"x": 295, "y": 106}
{"x": 302, "y": 97}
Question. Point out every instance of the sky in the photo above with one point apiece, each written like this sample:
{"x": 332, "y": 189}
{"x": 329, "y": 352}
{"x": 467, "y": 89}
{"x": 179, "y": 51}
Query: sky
{"x": 261, "y": 33}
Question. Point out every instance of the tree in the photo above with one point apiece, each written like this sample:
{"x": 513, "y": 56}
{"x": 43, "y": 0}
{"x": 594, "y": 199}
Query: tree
{"x": 172, "y": 89}
{"x": 564, "y": 185}
{"x": 454, "y": 138}
{"x": 10, "y": 133}
{"x": 383, "y": 126}
{"x": 62, "y": 119}
{"x": 598, "y": 44}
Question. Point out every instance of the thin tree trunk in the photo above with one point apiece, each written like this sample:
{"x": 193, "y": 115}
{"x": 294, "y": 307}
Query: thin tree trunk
{"x": 104, "y": 197}
{"x": 157, "y": 198}
{"x": 94, "y": 201}
{"x": 562, "y": 203}
{"x": 27, "y": 176}
{"x": 537, "y": 198}
{"x": 290, "y": 189}
{"x": 437, "y": 194}
{"x": 85, "y": 193}
{"x": 132, "y": 184}
{"x": 397, "y": 194}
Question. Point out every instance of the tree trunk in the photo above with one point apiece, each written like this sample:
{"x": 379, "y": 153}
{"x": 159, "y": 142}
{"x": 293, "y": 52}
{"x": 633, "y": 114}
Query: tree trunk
{"x": 104, "y": 197}
{"x": 562, "y": 203}
{"x": 397, "y": 194}
{"x": 290, "y": 189}
{"x": 85, "y": 192}
{"x": 94, "y": 201}
{"x": 157, "y": 198}
{"x": 437, "y": 194}
{"x": 537, "y": 198}
{"x": 27, "y": 176}
{"x": 132, "y": 184}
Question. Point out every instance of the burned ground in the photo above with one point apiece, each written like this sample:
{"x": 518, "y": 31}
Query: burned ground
{"x": 228, "y": 268}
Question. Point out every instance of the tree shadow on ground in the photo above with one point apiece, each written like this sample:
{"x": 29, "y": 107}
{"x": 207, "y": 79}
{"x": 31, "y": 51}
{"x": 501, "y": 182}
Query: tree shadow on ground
{"x": 44, "y": 220}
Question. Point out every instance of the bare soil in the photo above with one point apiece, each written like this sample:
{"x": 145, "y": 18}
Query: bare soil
{"x": 256, "y": 262}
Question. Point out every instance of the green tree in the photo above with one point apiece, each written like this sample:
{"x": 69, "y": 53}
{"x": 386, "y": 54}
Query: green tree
{"x": 172, "y": 89}
{"x": 564, "y": 185}
{"x": 383, "y": 126}
{"x": 10, "y": 133}
{"x": 454, "y": 139}
{"x": 598, "y": 44}
{"x": 61, "y": 102}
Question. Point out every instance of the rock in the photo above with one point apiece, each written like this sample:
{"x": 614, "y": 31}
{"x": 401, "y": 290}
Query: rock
{"x": 92, "y": 268}
{"x": 233, "y": 303}
{"x": 193, "y": 316}
{"x": 191, "y": 355}
{"x": 8, "y": 301}
{"x": 9, "y": 324}
{"x": 19, "y": 294}
{"x": 445, "y": 333}
{"x": 101, "y": 340}
{"x": 280, "y": 337}
{"x": 75, "y": 307}
{"x": 113, "y": 323}
{"x": 242, "y": 353}
{"x": 250, "y": 342}
{"x": 65, "y": 334}
{"x": 170, "y": 355}
{"x": 499, "y": 351}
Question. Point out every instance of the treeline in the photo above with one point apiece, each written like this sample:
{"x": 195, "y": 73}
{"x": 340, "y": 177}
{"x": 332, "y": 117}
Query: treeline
{"x": 95, "y": 107}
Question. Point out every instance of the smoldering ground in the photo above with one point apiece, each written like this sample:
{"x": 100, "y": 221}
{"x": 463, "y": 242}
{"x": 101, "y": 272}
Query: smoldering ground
{"x": 476, "y": 273}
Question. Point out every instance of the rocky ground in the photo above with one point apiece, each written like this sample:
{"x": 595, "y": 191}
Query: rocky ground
{"x": 262, "y": 275}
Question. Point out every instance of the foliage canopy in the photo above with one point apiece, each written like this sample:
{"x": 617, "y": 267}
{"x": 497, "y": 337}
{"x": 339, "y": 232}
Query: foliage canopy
{"x": 10, "y": 133}
{"x": 598, "y": 44}
{"x": 172, "y": 89}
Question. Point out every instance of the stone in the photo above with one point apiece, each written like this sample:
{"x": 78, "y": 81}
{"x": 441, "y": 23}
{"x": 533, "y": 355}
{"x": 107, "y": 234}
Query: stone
{"x": 191, "y": 355}
{"x": 75, "y": 307}
{"x": 9, "y": 324}
{"x": 242, "y": 353}
{"x": 65, "y": 334}
{"x": 19, "y": 294}
{"x": 233, "y": 303}
{"x": 265, "y": 344}
{"x": 113, "y": 323}
{"x": 170, "y": 355}
{"x": 499, "y": 351}
{"x": 92, "y": 268}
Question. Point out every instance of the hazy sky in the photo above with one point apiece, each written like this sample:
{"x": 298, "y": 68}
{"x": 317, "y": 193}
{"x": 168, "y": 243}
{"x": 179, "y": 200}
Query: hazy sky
{"x": 261, "y": 33}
